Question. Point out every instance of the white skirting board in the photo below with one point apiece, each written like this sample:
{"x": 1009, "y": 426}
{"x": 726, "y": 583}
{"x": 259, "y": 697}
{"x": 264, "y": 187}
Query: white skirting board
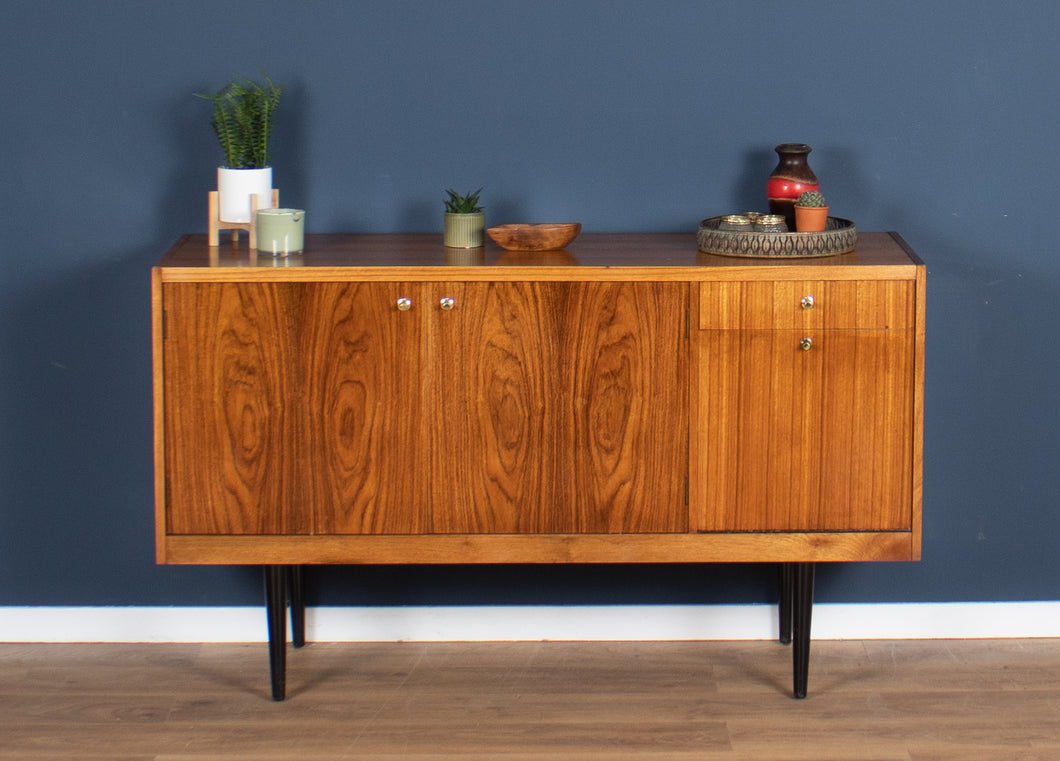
{"x": 532, "y": 623}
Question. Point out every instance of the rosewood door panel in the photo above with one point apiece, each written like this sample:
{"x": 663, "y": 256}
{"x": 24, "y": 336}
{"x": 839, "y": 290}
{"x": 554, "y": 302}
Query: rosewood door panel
{"x": 797, "y": 440}
{"x": 363, "y": 402}
{"x": 529, "y": 407}
{"x": 228, "y": 424}
{"x": 491, "y": 373}
{"x": 558, "y": 407}
{"x": 625, "y": 458}
{"x": 292, "y": 408}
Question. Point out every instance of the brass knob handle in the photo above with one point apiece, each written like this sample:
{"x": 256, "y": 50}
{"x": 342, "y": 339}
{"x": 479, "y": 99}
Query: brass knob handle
{"x": 806, "y": 344}
{"x": 404, "y": 304}
{"x": 447, "y": 303}
{"x": 807, "y": 302}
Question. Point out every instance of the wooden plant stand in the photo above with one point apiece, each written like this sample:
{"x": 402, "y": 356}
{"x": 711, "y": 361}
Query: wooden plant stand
{"x": 217, "y": 224}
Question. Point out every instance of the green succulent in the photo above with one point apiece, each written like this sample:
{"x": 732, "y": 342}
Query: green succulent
{"x": 811, "y": 198}
{"x": 243, "y": 114}
{"x": 462, "y": 204}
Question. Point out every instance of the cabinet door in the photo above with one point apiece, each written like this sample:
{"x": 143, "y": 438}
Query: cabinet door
{"x": 364, "y": 402}
{"x": 292, "y": 408}
{"x": 805, "y": 440}
{"x": 558, "y": 407}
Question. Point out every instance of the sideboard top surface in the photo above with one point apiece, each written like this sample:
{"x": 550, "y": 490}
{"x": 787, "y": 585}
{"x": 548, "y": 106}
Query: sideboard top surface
{"x": 609, "y": 256}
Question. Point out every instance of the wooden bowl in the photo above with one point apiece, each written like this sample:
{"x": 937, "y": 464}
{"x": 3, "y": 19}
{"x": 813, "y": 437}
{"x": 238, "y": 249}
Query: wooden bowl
{"x": 546, "y": 237}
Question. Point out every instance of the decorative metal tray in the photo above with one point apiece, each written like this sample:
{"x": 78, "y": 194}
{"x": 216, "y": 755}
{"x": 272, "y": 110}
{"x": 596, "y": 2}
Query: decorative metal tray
{"x": 839, "y": 237}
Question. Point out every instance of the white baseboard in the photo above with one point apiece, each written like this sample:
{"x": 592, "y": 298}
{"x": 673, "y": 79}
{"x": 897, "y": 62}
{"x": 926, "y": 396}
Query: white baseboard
{"x": 532, "y": 623}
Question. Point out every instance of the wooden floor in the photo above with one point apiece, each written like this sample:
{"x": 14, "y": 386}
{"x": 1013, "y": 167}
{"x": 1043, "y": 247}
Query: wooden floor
{"x": 869, "y": 701}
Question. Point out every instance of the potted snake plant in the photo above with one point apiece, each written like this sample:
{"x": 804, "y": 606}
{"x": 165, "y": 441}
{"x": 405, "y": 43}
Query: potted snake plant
{"x": 243, "y": 116}
{"x": 465, "y": 221}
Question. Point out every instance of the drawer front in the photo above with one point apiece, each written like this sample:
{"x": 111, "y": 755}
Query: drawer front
{"x": 806, "y": 304}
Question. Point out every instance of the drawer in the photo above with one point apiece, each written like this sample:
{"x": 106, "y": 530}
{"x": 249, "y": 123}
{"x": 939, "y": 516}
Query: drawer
{"x": 806, "y": 304}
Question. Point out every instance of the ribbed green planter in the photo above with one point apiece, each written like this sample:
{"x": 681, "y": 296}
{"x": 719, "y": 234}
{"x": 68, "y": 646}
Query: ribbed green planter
{"x": 465, "y": 230}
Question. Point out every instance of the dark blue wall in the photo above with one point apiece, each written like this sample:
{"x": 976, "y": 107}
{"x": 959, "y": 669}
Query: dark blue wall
{"x": 938, "y": 121}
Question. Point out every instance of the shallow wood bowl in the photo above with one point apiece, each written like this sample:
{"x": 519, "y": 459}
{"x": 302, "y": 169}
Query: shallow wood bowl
{"x": 546, "y": 237}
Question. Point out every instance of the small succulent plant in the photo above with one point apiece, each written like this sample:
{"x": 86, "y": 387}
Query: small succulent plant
{"x": 811, "y": 198}
{"x": 462, "y": 204}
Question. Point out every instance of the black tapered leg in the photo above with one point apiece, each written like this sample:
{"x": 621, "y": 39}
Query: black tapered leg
{"x": 786, "y": 587}
{"x": 276, "y": 613}
{"x": 802, "y": 613}
{"x": 296, "y": 597}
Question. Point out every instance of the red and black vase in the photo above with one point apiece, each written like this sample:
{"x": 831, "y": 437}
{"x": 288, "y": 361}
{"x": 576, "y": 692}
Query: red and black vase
{"x": 792, "y": 177}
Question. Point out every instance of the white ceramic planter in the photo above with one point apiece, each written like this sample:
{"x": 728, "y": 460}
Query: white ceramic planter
{"x": 236, "y": 186}
{"x": 465, "y": 230}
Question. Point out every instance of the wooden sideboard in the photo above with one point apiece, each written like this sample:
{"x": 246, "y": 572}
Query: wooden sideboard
{"x": 381, "y": 399}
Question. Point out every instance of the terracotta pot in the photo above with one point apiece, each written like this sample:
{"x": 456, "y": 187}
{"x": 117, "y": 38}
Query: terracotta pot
{"x": 811, "y": 219}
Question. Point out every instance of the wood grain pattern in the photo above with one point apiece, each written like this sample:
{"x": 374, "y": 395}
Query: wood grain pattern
{"x": 227, "y": 428}
{"x": 297, "y": 408}
{"x": 555, "y": 408}
{"x": 535, "y": 237}
{"x": 777, "y": 305}
{"x": 628, "y": 397}
{"x": 283, "y": 423}
{"x": 817, "y": 440}
{"x": 561, "y": 402}
{"x": 745, "y": 547}
{"x": 595, "y": 256}
{"x": 362, "y": 402}
{"x": 493, "y": 367}
{"x": 919, "y": 338}
{"x": 797, "y": 440}
{"x": 886, "y": 700}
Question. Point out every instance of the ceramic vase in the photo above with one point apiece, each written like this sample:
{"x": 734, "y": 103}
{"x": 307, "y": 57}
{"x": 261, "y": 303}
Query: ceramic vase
{"x": 791, "y": 177}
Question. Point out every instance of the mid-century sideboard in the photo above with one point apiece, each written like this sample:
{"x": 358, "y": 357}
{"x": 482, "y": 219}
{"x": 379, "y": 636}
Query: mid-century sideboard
{"x": 381, "y": 399}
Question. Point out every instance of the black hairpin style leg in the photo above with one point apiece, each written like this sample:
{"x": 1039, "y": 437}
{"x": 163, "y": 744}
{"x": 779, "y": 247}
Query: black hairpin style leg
{"x": 296, "y": 598}
{"x": 786, "y": 586}
{"x": 801, "y": 615}
{"x": 276, "y": 613}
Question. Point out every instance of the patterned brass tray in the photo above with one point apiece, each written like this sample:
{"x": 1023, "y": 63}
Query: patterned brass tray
{"x": 839, "y": 237}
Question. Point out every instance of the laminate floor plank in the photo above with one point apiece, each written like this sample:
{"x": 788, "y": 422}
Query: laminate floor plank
{"x": 658, "y": 701}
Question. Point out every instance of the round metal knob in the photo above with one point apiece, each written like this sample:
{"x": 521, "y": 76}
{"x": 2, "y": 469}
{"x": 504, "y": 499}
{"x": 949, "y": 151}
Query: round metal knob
{"x": 447, "y": 303}
{"x": 404, "y": 304}
{"x": 806, "y": 344}
{"x": 807, "y": 302}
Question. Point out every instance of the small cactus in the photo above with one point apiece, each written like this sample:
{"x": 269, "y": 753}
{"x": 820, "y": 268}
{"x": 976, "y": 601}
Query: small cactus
{"x": 811, "y": 198}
